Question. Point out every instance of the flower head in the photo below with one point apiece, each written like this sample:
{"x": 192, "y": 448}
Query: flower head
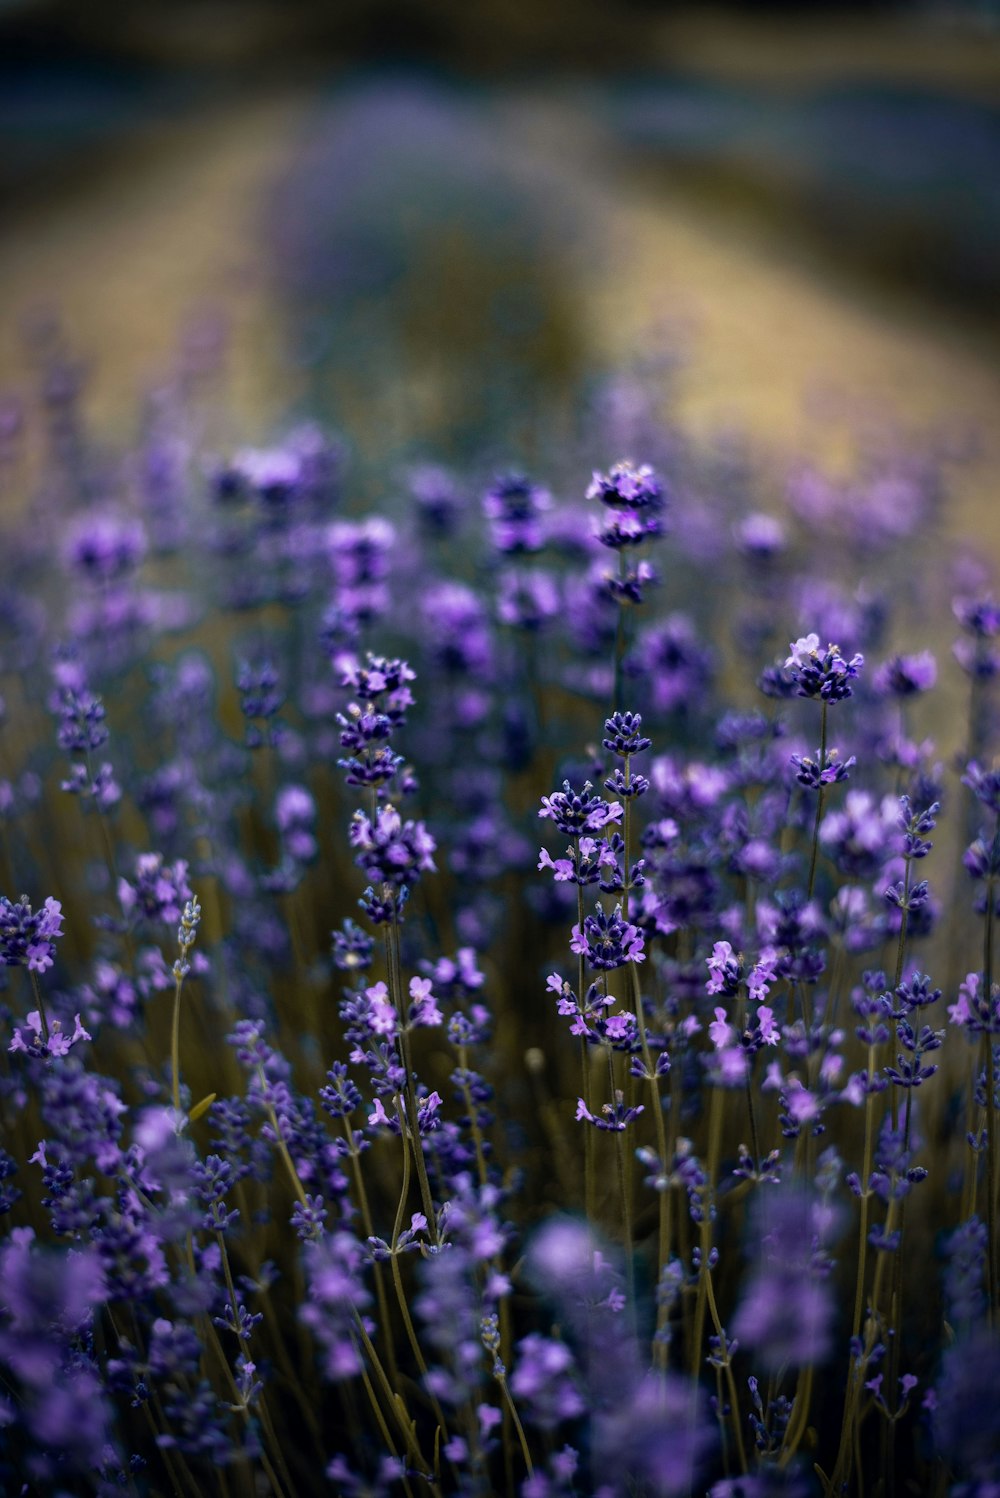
{"x": 608, "y": 941}
{"x": 825, "y": 674}
{"x": 27, "y": 937}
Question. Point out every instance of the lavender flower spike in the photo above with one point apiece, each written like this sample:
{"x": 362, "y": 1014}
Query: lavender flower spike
{"x": 824, "y": 674}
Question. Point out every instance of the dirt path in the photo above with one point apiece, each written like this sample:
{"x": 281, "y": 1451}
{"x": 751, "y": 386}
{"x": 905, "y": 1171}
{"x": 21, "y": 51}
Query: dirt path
{"x": 172, "y": 227}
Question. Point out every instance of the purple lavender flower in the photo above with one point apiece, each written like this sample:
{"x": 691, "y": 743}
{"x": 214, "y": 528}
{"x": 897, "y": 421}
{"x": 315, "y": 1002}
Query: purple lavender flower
{"x": 81, "y": 721}
{"x": 828, "y": 769}
{"x": 824, "y": 674}
{"x": 33, "y": 1041}
{"x": 576, "y": 813}
{"x": 635, "y": 497}
{"x": 608, "y": 941}
{"x": 389, "y": 850}
{"x": 974, "y": 1009}
{"x": 624, "y": 736}
{"x": 336, "y": 1297}
{"x": 27, "y": 937}
{"x": 352, "y": 948}
{"x": 984, "y": 785}
{"x": 726, "y": 970}
{"x": 587, "y": 863}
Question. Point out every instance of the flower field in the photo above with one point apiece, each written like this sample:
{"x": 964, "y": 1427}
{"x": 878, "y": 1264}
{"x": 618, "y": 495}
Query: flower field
{"x": 497, "y": 969}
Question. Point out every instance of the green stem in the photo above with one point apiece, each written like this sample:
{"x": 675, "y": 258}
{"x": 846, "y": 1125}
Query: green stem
{"x": 369, "y": 1227}
{"x": 663, "y": 1250}
{"x": 397, "y": 1278}
{"x": 900, "y": 953}
{"x": 819, "y": 802}
{"x": 175, "y": 1047}
{"x": 624, "y": 1191}
{"x": 395, "y": 1401}
{"x": 265, "y": 1418}
{"x": 43, "y": 1017}
{"x": 515, "y": 1417}
{"x": 394, "y": 969}
{"x": 989, "y": 1041}
{"x": 589, "y": 1142}
{"x": 705, "y": 1230}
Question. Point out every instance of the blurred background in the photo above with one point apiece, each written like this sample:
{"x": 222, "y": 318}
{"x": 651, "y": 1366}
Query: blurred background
{"x": 433, "y": 223}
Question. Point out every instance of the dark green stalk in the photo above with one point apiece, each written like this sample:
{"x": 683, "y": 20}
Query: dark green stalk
{"x": 705, "y": 1228}
{"x": 369, "y": 1227}
{"x": 589, "y": 1142}
{"x": 623, "y": 1189}
{"x": 900, "y": 952}
{"x": 395, "y": 976}
{"x": 397, "y": 1278}
{"x": 989, "y": 1041}
{"x": 41, "y": 1005}
{"x": 819, "y": 801}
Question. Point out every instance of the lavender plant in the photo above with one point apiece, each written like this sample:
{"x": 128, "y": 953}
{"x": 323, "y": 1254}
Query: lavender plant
{"x": 353, "y": 1143}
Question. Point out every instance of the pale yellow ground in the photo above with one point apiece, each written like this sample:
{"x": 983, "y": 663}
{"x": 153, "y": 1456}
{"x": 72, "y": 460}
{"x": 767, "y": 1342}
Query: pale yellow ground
{"x": 173, "y": 225}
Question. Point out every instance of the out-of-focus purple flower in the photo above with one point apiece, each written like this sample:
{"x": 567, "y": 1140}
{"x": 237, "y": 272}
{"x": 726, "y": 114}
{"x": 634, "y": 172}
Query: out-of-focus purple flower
{"x": 761, "y": 537}
{"x": 359, "y": 553}
{"x": 81, "y": 720}
{"x": 980, "y": 616}
{"x": 905, "y": 675}
{"x": 673, "y": 663}
{"x": 984, "y": 785}
{"x": 657, "y": 1438}
{"x": 158, "y": 891}
{"x": 336, "y": 1298}
{"x": 966, "y": 1249}
{"x": 543, "y": 1382}
{"x": 966, "y": 1422}
{"x": 295, "y": 814}
{"x": 786, "y": 1312}
{"x": 458, "y": 631}
{"x": 105, "y": 547}
{"x": 437, "y": 499}
{"x": 862, "y": 834}
{"x": 514, "y": 507}
{"x": 527, "y": 600}
{"x": 352, "y": 948}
